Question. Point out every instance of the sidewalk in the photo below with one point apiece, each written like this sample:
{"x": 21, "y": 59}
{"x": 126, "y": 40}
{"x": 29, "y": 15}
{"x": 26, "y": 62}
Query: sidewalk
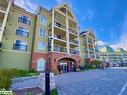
{"x": 118, "y": 67}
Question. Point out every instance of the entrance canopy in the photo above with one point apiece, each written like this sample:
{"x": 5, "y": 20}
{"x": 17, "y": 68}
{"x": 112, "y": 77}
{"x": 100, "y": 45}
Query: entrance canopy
{"x": 66, "y": 60}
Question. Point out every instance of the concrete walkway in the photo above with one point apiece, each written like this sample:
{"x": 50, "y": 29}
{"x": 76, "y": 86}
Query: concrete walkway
{"x": 93, "y": 82}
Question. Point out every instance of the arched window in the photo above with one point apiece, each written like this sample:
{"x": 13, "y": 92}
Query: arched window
{"x": 41, "y": 65}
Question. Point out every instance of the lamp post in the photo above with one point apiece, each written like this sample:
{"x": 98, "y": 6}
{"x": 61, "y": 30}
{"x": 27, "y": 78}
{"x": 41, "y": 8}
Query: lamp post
{"x": 47, "y": 73}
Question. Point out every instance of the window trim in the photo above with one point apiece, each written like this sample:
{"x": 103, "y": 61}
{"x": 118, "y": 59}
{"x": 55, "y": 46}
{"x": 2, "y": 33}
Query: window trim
{"x": 43, "y": 34}
{"x": 23, "y": 31}
{"x": 41, "y": 49}
{"x": 42, "y": 22}
{"x": 24, "y": 17}
{"x": 19, "y": 44}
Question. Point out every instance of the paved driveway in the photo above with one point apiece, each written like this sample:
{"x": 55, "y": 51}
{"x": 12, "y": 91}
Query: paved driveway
{"x": 93, "y": 82}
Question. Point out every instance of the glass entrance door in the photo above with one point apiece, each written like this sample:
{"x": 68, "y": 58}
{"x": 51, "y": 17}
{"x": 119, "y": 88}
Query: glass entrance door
{"x": 63, "y": 67}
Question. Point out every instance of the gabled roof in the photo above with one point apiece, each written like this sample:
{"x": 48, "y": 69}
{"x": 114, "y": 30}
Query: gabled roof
{"x": 87, "y": 32}
{"x": 107, "y": 49}
{"x": 67, "y": 6}
{"x": 120, "y": 50}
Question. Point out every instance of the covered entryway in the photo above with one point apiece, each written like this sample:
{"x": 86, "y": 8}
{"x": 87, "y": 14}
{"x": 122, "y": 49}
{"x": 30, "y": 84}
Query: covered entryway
{"x": 67, "y": 65}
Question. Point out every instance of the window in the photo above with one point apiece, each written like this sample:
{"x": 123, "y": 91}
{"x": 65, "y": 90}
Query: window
{"x": 41, "y": 45}
{"x": 43, "y": 20}
{"x": 20, "y": 45}
{"x": 42, "y": 32}
{"x": 24, "y": 19}
{"x": 22, "y": 32}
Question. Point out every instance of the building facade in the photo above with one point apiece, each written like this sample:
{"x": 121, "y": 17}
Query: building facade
{"x": 16, "y": 36}
{"x": 25, "y": 38}
{"x": 60, "y": 25}
{"x": 89, "y": 50}
{"x": 110, "y": 55}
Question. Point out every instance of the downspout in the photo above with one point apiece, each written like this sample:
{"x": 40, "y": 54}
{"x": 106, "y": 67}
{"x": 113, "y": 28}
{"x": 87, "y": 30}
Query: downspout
{"x": 32, "y": 46}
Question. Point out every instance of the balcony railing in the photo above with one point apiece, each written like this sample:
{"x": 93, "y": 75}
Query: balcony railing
{"x": 60, "y": 37}
{"x": 60, "y": 49}
{"x": 3, "y": 8}
{"x": 86, "y": 56}
{"x": 74, "y": 41}
{"x": 1, "y": 24}
{"x": 72, "y": 31}
{"x": 90, "y": 42}
{"x": 60, "y": 25}
{"x": 86, "y": 49}
{"x": 24, "y": 20}
{"x": 50, "y": 25}
{"x": 91, "y": 49}
{"x": 92, "y": 56}
{"x": 72, "y": 51}
{"x": 22, "y": 33}
{"x": 19, "y": 47}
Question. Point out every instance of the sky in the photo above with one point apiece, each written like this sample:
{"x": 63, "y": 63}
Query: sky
{"x": 107, "y": 18}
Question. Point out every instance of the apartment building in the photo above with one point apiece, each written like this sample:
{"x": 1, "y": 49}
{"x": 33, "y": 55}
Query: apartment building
{"x": 25, "y": 38}
{"x": 16, "y": 36}
{"x": 89, "y": 49}
{"x": 108, "y": 54}
{"x": 60, "y": 26}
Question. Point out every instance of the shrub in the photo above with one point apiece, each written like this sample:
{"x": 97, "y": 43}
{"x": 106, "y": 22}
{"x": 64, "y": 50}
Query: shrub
{"x": 96, "y": 63}
{"x": 6, "y": 75}
{"x": 88, "y": 66}
{"x": 54, "y": 92}
{"x": 55, "y": 71}
{"x": 5, "y": 79}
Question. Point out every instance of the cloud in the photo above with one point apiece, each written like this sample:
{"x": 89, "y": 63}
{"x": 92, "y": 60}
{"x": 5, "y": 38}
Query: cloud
{"x": 89, "y": 15}
{"x": 122, "y": 43}
{"x": 26, "y": 4}
{"x": 101, "y": 43}
{"x": 123, "y": 39}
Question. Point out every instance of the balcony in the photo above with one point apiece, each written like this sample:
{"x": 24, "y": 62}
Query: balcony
{"x": 74, "y": 42}
{"x": 20, "y": 47}
{"x": 90, "y": 42}
{"x": 92, "y": 56}
{"x": 73, "y": 31}
{"x": 60, "y": 49}
{"x": 91, "y": 49}
{"x": 86, "y": 49}
{"x": 3, "y": 8}
{"x": 22, "y": 33}
{"x": 24, "y": 20}
{"x": 60, "y": 37}
{"x": 59, "y": 25}
{"x": 86, "y": 56}
{"x": 73, "y": 51}
{"x": 50, "y": 25}
{"x": 1, "y": 24}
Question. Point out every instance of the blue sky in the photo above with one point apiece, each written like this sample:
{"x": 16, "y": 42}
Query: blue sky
{"x": 108, "y": 18}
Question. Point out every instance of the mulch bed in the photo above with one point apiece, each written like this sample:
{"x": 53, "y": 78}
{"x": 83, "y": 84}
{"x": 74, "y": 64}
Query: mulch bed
{"x": 33, "y": 91}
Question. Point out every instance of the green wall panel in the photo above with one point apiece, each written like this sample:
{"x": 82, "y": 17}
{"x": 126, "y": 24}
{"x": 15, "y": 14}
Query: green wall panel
{"x": 17, "y": 60}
